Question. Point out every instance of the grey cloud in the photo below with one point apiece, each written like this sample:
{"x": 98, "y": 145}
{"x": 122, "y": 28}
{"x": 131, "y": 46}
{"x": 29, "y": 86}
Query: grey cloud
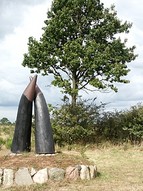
{"x": 11, "y": 14}
{"x": 9, "y": 98}
{"x": 8, "y": 102}
{"x": 11, "y": 91}
{"x": 9, "y": 112}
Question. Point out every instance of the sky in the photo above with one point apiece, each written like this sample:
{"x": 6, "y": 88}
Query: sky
{"x": 21, "y": 19}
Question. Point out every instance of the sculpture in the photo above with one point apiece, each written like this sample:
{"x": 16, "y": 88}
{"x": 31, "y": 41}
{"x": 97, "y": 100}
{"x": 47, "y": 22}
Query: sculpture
{"x": 43, "y": 131}
{"x": 44, "y": 143}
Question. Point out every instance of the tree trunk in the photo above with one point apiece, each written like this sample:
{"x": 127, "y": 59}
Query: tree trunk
{"x": 74, "y": 97}
{"x": 74, "y": 89}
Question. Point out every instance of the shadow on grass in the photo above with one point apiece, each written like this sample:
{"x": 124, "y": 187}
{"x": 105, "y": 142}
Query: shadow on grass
{"x": 98, "y": 174}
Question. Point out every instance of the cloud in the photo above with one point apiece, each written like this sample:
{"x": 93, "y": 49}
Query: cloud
{"x": 13, "y": 12}
{"x": 21, "y": 19}
{"x": 8, "y": 112}
{"x": 14, "y": 77}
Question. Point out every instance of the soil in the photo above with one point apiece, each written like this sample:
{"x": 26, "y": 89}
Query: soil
{"x": 59, "y": 160}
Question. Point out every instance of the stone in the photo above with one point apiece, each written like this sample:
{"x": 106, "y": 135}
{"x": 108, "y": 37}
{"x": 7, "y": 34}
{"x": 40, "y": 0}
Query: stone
{"x": 8, "y": 176}
{"x": 84, "y": 173}
{"x": 92, "y": 171}
{"x": 49, "y": 155}
{"x": 1, "y": 175}
{"x": 56, "y": 174}
{"x": 72, "y": 172}
{"x": 23, "y": 178}
{"x": 12, "y": 154}
{"x": 41, "y": 176}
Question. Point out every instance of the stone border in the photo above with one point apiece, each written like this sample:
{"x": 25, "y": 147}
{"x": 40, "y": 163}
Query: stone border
{"x": 26, "y": 177}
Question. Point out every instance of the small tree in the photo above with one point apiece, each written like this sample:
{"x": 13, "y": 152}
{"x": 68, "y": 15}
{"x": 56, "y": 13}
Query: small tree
{"x": 75, "y": 124}
{"x": 80, "y": 45}
{"x": 5, "y": 121}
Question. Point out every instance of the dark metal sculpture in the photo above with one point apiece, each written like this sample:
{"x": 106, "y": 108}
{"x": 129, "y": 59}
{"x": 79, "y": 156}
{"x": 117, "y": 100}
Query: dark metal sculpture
{"x": 44, "y": 142}
{"x": 43, "y": 131}
{"x": 22, "y": 134}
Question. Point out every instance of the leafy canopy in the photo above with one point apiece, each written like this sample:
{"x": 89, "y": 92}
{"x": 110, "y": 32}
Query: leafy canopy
{"x": 81, "y": 45}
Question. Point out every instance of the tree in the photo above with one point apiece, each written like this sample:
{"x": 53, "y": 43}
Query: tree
{"x": 80, "y": 45}
{"x": 5, "y": 121}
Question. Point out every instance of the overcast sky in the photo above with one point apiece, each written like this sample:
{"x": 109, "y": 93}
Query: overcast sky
{"x": 20, "y": 19}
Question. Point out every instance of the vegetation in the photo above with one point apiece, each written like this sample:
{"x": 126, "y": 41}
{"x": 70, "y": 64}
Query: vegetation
{"x": 6, "y": 135}
{"x": 81, "y": 45}
{"x": 5, "y": 121}
{"x": 99, "y": 128}
{"x": 119, "y": 168}
{"x": 87, "y": 123}
{"x": 75, "y": 124}
{"x": 133, "y": 123}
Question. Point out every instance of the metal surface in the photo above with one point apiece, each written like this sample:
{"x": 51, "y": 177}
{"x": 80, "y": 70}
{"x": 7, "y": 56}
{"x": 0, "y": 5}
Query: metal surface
{"x": 44, "y": 142}
{"x": 22, "y": 134}
{"x": 29, "y": 92}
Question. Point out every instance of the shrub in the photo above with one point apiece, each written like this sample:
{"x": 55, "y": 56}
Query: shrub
{"x": 133, "y": 123}
{"x": 110, "y": 127}
{"x": 75, "y": 124}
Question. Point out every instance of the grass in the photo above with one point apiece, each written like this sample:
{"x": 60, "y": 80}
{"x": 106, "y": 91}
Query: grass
{"x": 6, "y": 135}
{"x": 119, "y": 169}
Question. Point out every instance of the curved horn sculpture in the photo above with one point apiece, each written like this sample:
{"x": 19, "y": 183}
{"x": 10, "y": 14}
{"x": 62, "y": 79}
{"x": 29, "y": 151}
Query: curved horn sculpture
{"x": 44, "y": 142}
{"x": 22, "y": 134}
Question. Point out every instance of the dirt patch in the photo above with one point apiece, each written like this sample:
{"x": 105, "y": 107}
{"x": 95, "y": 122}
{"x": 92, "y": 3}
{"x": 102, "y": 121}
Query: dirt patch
{"x": 60, "y": 160}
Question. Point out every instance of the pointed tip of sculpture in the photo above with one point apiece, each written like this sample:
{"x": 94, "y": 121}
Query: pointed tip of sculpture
{"x": 30, "y": 89}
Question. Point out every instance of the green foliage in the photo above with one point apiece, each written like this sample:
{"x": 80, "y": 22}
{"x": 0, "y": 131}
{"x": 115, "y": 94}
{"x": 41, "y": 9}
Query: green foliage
{"x": 5, "y": 142}
{"x": 80, "y": 45}
{"x": 122, "y": 126}
{"x": 6, "y": 135}
{"x": 2, "y": 142}
{"x": 134, "y": 123}
{"x": 8, "y": 143}
{"x": 88, "y": 123}
{"x": 5, "y": 121}
{"x": 75, "y": 124}
{"x": 110, "y": 127}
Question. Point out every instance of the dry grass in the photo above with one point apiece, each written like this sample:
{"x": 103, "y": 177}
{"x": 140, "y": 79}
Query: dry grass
{"x": 119, "y": 169}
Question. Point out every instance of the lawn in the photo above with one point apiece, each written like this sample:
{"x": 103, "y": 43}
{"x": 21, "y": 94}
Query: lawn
{"x": 120, "y": 168}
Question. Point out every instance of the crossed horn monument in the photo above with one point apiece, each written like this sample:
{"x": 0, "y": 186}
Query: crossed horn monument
{"x": 44, "y": 143}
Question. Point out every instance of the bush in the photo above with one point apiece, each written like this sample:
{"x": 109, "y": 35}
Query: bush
{"x": 75, "y": 124}
{"x": 88, "y": 123}
{"x": 110, "y": 127}
{"x": 133, "y": 123}
{"x": 123, "y": 126}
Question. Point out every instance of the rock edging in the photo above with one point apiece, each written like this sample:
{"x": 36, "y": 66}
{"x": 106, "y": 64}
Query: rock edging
{"x": 26, "y": 177}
